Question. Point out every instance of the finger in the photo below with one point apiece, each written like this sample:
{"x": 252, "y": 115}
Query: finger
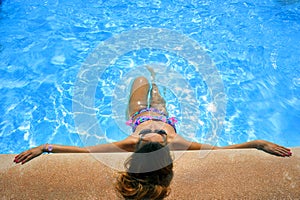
{"x": 19, "y": 155}
{"x": 284, "y": 151}
{"x": 29, "y": 157}
{"x": 16, "y": 157}
{"x": 279, "y": 153}
{"x": 20, "y": 158}
{"x": 288, "y": 150}
{"x": 276, "y": 152}
{"x": 23, "y": 154}
{"x": 23, "y": 157}
{"x": 281, "y": 147}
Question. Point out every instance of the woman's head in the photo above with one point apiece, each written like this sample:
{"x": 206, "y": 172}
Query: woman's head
{"x": 149, "y": 173}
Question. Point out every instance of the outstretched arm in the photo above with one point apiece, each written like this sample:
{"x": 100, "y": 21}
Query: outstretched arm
{"x": 36, "y": 151}
{"x": 121, "y": 146}
{"x": 266, "y": 146}
{"x": 269, "y": 147}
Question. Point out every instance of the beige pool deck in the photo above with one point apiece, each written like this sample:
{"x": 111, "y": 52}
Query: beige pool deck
{"x": 220, "y": 174}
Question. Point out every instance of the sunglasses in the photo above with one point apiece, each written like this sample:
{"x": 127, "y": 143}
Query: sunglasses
{"x": 146, "y": 131}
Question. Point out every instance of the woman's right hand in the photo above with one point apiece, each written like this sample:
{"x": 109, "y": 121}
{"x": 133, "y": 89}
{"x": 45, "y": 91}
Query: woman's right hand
{"x": 28, "y": 155}
{"x": 272, "y": 148}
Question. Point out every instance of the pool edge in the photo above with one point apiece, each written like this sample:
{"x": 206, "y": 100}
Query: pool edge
{"x": 219, "y": 174}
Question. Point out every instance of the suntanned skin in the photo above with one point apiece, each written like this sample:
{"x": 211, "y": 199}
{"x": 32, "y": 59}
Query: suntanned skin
{"x": 137, "y": 101}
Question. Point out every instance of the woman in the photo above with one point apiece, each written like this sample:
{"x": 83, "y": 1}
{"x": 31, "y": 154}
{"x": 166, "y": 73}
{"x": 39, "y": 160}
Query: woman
{"x": 153, "y": 131}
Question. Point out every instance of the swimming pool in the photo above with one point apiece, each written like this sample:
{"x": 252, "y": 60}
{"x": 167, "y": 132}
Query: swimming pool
{"x": 46, "y": 45}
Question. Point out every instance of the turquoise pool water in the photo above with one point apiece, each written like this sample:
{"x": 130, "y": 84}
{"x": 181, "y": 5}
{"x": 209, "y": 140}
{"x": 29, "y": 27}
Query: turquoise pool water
{"x": 47, "y": 46}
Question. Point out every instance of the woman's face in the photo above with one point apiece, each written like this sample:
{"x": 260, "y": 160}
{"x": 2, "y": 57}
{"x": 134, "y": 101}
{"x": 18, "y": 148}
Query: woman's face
{"x": 154, "y": 131}
{"x": 157, "y": 135}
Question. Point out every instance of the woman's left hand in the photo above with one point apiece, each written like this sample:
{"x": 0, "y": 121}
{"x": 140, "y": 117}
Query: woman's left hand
{"x": 272, "y": 148}
{"x": 28, "y": 155}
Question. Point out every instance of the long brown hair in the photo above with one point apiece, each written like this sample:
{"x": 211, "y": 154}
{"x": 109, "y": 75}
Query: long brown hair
{"x": 148, "y": 175}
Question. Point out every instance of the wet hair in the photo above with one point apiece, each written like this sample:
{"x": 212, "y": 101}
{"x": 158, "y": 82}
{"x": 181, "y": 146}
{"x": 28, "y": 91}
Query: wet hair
{"x": 149, "y": 171}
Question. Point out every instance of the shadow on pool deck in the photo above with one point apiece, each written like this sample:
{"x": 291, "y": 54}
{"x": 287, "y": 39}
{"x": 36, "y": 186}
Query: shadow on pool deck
{"x": 222, "y": 174}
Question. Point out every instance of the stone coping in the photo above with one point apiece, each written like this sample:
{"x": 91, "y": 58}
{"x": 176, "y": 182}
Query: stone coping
{"x": 218, "y": 174}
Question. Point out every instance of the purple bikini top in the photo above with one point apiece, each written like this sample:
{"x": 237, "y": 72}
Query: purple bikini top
{"x": 162, "y": 117}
